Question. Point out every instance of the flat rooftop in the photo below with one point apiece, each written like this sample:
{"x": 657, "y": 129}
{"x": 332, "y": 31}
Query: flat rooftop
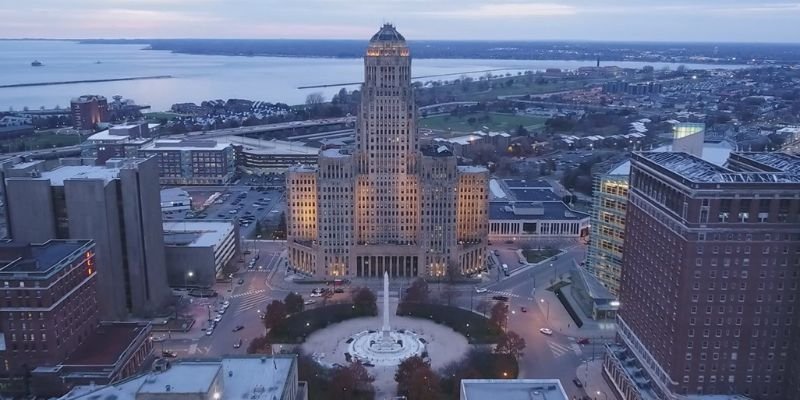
{"x": 534, "y": 195}
{"x": 270, "y": 147}
{"x": 196, "y": 233}
{"x": 697, "y": 170}
{"x": 771, "y": 161}
{"x": 106, "y": 345}
{"x": 527, "y": 184}
{"x": 40, "y": 258}
{"x": 188, "y": 145}
{"x": 107, "y": 136}
{"x": 245, "y": 377}
{"x": 526, "y": 210}
{"x": 334, "y": 153}
{"x": 512, "y": 389}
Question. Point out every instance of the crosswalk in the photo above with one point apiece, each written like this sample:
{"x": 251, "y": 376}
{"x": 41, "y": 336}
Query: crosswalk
{"x": 507, "y": 294}
{"x": 559, "y": 350}
{"x": 254, "y": 299}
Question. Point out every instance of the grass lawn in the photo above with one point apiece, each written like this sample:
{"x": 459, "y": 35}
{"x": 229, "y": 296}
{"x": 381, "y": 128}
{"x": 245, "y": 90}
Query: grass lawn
{"x": 156, "y": 116}
{"x": 520, "y": 89}
{"x": 39, "y": 141}
{"x": 535, "y": 256}
{"x": 476, "y": 121}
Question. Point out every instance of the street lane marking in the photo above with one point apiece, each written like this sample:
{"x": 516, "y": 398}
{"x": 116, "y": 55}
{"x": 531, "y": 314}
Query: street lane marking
{"x": 558, "y": 350}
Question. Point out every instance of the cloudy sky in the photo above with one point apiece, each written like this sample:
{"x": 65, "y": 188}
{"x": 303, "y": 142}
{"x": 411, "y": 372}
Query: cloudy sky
{"x": 640, "y": 20}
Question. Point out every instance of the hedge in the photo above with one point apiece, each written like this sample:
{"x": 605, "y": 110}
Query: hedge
{"x": 474, "y": 326}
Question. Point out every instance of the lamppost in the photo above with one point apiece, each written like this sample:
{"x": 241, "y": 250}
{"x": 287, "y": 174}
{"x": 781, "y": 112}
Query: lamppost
{"x": 555, "y": 272}
{"x": 548, "y": 307}
{"x": 189, "y": 275}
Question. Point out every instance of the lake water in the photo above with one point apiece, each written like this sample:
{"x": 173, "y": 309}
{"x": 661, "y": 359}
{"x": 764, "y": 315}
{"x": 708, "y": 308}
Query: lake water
{"x": 203, "y": 77}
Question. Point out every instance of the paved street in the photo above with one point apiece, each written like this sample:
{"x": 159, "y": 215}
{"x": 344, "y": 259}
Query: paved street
{"x": 557, "y": 356}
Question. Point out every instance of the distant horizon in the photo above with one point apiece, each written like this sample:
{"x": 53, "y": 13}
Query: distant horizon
{"x": 409, "y": 40}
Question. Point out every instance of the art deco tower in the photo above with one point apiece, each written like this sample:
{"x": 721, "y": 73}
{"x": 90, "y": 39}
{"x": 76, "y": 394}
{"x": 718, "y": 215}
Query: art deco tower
{"x": 388, "y": 205}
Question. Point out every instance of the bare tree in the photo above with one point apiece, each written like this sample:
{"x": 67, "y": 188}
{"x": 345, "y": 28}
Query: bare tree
{"x": 315, "y": 98}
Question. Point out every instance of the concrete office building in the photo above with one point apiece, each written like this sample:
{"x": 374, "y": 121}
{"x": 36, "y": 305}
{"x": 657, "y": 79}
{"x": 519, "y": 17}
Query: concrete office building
{"x": 235, "y": 377}
{"x": 116, "y": 205}
{"x": 197, "y": 251}
{"x": 49, "y": 304}
{"x": 121, "y": 141}
{"x": 710, "y": 278}
{"x": 87, "y": 111}
{"x": 390, "y": 205}
{"x": 192, "y": 161}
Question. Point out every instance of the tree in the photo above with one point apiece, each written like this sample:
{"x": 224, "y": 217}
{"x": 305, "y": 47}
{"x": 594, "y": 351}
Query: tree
{"x": 364, "y": 301}
{"x": 260, "y": 345}
{"x": 498, "y": 316}
{"x": 424, "y": 385}
{"x": 275, "y": 315}
{"x": 417, "y": 292}
{"x": 351, "y": 382}
{"x": 293, "y": 302}
{"x": 510, "y": 343}
{"x": 315, "y": 98}
{"x": 454, "y": 272}
{"x": 405, "y": 376}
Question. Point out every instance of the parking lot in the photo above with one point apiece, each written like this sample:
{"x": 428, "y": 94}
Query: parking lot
{"x": 247, "y": 203}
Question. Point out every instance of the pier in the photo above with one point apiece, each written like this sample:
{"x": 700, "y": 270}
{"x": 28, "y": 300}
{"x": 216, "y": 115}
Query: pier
{"x": 135, "y": 78}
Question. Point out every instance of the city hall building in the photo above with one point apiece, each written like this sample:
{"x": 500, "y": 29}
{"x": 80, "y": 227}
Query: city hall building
{"x": 389, "y": 204}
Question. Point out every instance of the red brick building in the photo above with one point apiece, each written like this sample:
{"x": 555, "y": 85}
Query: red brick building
{"x": 48, "y": 304}
{"x": 88, "y": 111}
{"x": 709, "y": 291}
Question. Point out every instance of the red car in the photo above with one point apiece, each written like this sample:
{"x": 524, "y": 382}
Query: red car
{"x": 583, "y": 341}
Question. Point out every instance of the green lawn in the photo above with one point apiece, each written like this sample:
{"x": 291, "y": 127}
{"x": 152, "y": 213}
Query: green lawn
{"x": 40, "y": 141}
{"x": 156, "y": 116}
{"x": 535, "y": 256}
{"x": 519, "y": 88}
{"x": 476, "y": 121}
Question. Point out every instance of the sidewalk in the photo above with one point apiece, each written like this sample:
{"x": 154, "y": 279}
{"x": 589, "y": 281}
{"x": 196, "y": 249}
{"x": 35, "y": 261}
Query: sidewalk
{"x": 591, "y": 374}
{"x": 560, "y": 321}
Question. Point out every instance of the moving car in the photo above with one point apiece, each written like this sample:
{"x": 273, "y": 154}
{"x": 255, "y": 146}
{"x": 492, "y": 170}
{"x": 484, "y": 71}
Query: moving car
{"x": 241, "y": 281}
{"x": 577, "y": 382}
{"x": 583, "y": 341}
{"x": 546, "y": 331}
{"x": 481, "y": 290}
{"x": 238, "y": 328}
{"x": 523, "y": 309}
{"x": 237, "y": 344}
{"x": 500, "y": 298}
{"x": 309, "y": 302}
{"x": 169, "y": 354}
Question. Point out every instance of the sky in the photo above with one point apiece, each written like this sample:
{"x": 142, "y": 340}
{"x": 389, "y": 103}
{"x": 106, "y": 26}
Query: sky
{"x": 616, "y": 20}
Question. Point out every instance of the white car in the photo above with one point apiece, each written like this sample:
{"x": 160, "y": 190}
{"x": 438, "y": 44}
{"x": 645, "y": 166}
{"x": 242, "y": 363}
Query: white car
{"x": 481, "y": 290}
{"x": 315, "y": 294}
{"x": 546, "y": 331}
{"x": 218, "y": 318}
{"x": 226, "y": 303}
{"x": 209, "y": 332}
{"x": 309, "y": 302}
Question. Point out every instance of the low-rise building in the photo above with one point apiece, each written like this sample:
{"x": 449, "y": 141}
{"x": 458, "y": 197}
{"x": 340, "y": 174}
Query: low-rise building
{"x": 121, "y": 141}
{"x": 245, "y": 377}
{"x": 192, "y": 161}
{"x": 197, "y": 251}
{"x": 512, "y": 389}
{"x": 271, "y": 155}
{"x": 526, "y": 220}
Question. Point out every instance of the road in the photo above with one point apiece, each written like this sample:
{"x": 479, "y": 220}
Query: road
{"x": 557, "y": 356}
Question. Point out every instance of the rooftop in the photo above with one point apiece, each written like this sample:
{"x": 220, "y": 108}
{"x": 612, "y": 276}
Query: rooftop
{"x": 40, "y": 258}
{"x": 512, "y": 389}
{"x": 771, "y": 161}
{"x": 534, "y": 195}
{"x": 697, "y": 170}
{"x": 196, "y": 233}
{"x": 333, "y": 153}
{"x": 537, "y": 210}
{"x": 527, "y": 184}
{"x": 190, "y": 144}
{"x": 245, "y": 377}
{"x": 107, "y": 344}
{"x": 267, "y": 147}
{"x": 108, "y": 136}
{"x": 387, "y": 33}
{"x": 171, "y": 195}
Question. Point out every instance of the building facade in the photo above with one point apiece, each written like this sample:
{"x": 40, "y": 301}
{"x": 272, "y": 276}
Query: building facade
{"x": 710, "y": 278}
{"x": 197, "y": 251}
{"x": 604, "y": 254}
{"x": 121, "y": 141}
{"x": 48, "y": 305}
{"x": 117, "y": 205}
{"x": 192, "y": 162}
{"x": 88, "y": 111}
{"x": 390, "y": 205}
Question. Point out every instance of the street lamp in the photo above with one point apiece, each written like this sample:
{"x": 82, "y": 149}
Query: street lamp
{"x": 548, "y": 307}
{"x": 189, "y": 275}
{"x": 605, "y": 396}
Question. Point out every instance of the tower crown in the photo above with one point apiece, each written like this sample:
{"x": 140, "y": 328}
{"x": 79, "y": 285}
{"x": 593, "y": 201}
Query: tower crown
{"x": 387, "y": 42}
{"x": 387, "y": 33}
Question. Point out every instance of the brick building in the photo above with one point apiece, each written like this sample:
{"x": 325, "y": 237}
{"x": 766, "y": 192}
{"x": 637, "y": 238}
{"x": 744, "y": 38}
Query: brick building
{"x": 89, "y": 110}
{"x": 710, "y": 277}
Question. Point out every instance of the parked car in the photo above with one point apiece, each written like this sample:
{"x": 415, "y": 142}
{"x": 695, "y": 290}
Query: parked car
{"x": 168, "y": 354}
{"x": 338, "y": 290}
{"x": 583, "y": 341}
{"x": 241, "y": 281}
{"x": 218, "y": 318}
{"x": 523, "y": 309}
{"x": 309, "y": 302}
{"x": 577, "y": 382}
{"x": 209, "y": 331}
